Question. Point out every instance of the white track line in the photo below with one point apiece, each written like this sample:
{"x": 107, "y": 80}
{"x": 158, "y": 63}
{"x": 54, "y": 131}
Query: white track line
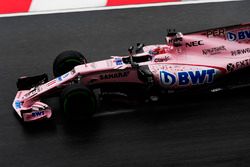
{"x": 115, "y": 7}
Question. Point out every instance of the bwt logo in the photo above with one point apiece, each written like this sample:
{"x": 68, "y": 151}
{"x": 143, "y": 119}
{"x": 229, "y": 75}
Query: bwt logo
{"x": 37, "y": 113}
{"x": 241, "y": 35}
{"x": 167, "y": 78}
{"x": 185, "y": 78}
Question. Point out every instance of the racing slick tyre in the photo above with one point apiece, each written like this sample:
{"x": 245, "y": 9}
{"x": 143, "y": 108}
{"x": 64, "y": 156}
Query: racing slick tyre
{"x": 78, "y": 102}
{"x": 66, "y": 61}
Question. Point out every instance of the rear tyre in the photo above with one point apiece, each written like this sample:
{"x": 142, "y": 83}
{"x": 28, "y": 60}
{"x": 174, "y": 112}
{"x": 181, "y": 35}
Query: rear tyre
{"x": 78, "y": 102}
{"x": 66, "y": 61}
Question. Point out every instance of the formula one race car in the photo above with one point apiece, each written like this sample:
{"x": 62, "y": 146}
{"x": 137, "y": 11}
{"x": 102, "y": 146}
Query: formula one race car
{"x": 207, "y": 60}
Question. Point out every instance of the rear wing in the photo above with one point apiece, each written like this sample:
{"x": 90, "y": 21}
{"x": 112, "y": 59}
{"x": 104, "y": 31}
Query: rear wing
{"x": 240, "y": 32}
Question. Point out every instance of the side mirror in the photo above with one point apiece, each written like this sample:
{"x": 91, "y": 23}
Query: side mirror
{"x": 130, "y": 49}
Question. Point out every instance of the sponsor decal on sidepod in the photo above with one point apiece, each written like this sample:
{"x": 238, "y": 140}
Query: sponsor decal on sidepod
{"x": 162, "y": 59}
{"x": 238, "y": 65}
{"x": 186, "y": 78}
{"x": 213, "y": 51}
{"x": 238, "y": 36}
{"x": 240, "y": 51}
{"x": 114, "y": 75}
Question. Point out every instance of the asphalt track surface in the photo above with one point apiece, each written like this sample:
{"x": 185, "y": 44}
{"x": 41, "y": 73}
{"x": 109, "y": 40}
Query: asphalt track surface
{"x": 208, "y": 131}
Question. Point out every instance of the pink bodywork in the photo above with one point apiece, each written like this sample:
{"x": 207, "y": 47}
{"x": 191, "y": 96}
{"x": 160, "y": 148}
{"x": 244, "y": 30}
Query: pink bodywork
{"x": 201, "y": 58}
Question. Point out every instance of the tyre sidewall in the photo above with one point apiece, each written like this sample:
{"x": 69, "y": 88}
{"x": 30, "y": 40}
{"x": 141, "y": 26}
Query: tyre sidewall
{"x": 66, "y": 61}
{"x": 78, "y": 102}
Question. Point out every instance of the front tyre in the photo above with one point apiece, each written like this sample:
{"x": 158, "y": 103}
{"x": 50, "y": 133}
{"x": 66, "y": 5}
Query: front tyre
{"x": 66, "y": 61}
{"x": 78, "y": 102}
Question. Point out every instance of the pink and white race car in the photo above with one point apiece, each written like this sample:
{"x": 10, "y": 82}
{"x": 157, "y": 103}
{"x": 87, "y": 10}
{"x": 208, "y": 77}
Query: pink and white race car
{"x": 206, "y": 60}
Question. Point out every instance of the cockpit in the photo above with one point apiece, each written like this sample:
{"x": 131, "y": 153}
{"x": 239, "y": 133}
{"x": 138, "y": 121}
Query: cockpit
{"x": 137, "y": 59}
{"x": 147, "y": 55}
{"x": 173, "y": 40}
